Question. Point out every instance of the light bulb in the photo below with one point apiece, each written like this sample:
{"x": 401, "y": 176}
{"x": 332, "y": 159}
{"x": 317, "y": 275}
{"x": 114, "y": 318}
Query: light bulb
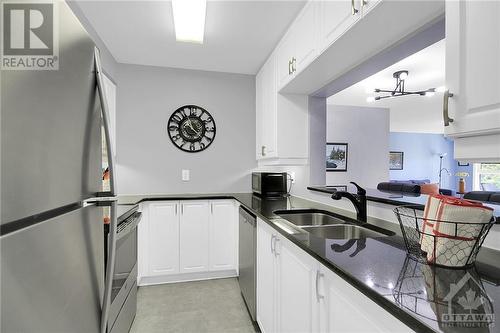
{"x": 441, "y": 89}
{"x": 430, "y": 93}
{"x": 403, "y": 76}
{"x": 370, "y": 99}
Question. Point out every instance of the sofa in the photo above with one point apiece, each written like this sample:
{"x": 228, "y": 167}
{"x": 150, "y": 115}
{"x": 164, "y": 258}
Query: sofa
{"x": 412, "y": 186}
{"x": 487, "y": 196}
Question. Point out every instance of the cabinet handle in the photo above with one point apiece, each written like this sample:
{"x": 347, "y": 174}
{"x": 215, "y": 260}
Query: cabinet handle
{"x": 354, "y": 10}
{"x": 446, "y": 118}
{"x": 294, "y": 62}
{"x": 272, "y": 239}
{"x": 182, "y": 209}
{"x": 276, "y": 239}
{"x": 318, "y": 276}
{"x": 212, "y": 208}
{"x": 263, "y": 150}
{"x": 175, "y": 209}
{"x": 290, "y": 70}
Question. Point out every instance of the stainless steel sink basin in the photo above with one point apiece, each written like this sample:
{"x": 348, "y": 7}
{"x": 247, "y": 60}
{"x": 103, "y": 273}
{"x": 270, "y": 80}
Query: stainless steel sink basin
{"x": 345, "y": 231}
{"x": 304, "y": 217}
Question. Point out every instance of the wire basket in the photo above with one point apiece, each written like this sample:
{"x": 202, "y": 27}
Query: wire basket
{"x": 457, "y": 246}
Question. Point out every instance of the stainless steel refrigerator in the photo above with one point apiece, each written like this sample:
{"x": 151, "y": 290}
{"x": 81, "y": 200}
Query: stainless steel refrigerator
{"x": 53, "y": 277}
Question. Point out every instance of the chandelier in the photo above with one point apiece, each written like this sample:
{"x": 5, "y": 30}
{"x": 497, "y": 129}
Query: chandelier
{"x": 399, "y": 90}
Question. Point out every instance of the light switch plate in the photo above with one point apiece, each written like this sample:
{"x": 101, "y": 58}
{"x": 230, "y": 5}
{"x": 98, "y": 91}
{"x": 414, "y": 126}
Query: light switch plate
{"x": 185, "y": 175}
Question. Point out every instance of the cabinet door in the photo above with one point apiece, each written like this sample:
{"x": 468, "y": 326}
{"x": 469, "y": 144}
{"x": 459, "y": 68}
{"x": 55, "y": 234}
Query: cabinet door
{"x": 223, "y": 231}
{"x": 297, "y": 303}
{"x": 345, "y": 309}
{"x": 266, "y": 130}
{"x": 194, "y": 236}
{"x": 473, "y": 67}
{"x": 336, "y": 18}
{"x": 163, "y": 232}
{"x": 368, "y": 5}
{"x": 284, "y": 53}
{"x": 265, "y": 278}
{"x": 304, "y": 34}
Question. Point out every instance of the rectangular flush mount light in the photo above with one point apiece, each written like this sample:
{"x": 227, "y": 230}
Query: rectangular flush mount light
{"x": 189, "y": 20}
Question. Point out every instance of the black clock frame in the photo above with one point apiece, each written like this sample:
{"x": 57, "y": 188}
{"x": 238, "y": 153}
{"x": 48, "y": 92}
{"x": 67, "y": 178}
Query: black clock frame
{"x": 179, "y": 116}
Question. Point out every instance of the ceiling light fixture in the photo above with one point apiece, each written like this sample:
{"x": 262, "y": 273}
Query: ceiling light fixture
{"x": 189, "y": 20}
{"x": 399, "y": 90}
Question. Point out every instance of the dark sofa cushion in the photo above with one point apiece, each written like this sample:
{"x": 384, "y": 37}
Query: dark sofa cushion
{"x": 384, "y": 186}
{"x": 479, "y": 195}
{"x": 410, "y": 188}
{"x": 495, "y": 197}
{"x": 398, "y": 187}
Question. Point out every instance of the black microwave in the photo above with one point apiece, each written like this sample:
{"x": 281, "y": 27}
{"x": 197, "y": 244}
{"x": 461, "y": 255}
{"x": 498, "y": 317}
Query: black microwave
{"x": 269, "y": 184}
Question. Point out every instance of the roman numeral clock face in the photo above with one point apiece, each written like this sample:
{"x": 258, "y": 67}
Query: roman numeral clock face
{"x": 191, "y": 128}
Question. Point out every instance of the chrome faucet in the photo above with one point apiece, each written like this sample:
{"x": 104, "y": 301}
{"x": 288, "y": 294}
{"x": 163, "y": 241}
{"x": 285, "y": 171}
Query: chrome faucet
{"x": 358, "y": 200}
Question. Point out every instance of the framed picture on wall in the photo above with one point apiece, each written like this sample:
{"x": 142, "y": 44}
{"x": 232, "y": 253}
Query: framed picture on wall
{"x": 396, "y": 160}
{"x": 336, "y": 156}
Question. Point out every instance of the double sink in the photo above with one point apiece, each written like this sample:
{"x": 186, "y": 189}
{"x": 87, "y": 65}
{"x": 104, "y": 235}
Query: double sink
{"x": 324, "y": 224}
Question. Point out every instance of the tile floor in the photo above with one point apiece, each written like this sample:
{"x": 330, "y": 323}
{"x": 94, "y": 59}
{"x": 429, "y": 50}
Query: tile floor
{"x": 201, "y": 306}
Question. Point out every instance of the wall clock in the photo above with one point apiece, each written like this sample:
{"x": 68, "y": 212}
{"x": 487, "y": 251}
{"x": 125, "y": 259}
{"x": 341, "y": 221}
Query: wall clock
{"x": 191, "y": 128}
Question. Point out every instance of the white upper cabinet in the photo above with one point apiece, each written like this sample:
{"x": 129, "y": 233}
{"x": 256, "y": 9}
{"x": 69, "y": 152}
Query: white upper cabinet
{"x": 336, "y": 18}
{"x": 223, "y": 231}
{"x": 473, "y": 69}
{"x": 194, "y": 235}
{"x": 276, "y": 115}
{"x": 299, "y": 46}
{"x": 162, "y": 238}
{"x": 266, "y": 110}
{"x": 368, "y": 5}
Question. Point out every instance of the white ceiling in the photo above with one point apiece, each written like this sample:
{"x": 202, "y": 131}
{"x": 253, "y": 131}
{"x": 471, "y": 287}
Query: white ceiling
{"x": 409, "y": 113}
{"x": 239, "y": 35}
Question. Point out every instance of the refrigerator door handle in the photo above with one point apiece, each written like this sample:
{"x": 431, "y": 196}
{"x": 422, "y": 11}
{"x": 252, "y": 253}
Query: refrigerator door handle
{"x": 110, "y": 268}
{"x": 105, "y": 118}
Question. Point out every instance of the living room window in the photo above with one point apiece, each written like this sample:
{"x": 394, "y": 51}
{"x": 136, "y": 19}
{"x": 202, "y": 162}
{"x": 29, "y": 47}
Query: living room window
{"x": 487, "y": 177}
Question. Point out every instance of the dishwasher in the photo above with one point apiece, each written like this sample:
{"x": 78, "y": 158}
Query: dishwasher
{"x": 247, "y": 259}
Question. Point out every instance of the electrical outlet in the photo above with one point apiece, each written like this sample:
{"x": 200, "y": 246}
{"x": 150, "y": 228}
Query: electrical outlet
{"x": 185, "y": 175}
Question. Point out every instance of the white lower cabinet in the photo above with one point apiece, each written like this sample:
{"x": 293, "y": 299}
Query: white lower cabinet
{"x": 223, "y": 240}
{"x": 187, "y": 240}
{"x": 295, "y": 293}
{"x": 163, "y": 240}
{"x": 285, "y": 284}
{"x": 343, "y": 308}
{"x": 193, "y": 239}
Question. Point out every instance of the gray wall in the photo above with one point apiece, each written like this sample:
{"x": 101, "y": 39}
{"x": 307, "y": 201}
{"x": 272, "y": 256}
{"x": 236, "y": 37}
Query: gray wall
{"x": 108, "y": 61}
{"x": 148, "y": 162}
{"x": 366, "y": 130}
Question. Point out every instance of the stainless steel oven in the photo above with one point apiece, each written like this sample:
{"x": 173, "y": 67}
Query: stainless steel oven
{"x": 124, "y": 289}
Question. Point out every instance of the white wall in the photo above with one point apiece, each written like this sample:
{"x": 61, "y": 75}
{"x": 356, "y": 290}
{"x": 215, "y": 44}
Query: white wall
{"x": 366, "y": 131}
{"x": 148, "y": 162}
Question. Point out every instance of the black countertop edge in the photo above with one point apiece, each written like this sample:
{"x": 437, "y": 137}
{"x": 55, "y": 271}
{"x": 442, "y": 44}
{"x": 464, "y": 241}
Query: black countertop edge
{"x": 372, "y": 198}
{"x": 412, "y": 322}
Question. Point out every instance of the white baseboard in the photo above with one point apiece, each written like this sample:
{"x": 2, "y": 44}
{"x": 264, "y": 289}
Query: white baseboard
{"x": 185, "y": 277}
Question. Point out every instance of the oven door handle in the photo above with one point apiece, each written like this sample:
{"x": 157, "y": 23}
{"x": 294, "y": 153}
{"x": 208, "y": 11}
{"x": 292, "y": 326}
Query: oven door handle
{"x": 110, "y": 268}
{"x": 130, "y": 227}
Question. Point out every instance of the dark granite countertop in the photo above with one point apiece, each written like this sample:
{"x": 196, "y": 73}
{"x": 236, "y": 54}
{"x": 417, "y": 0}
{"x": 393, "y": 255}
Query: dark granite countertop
{"x": 419, "y": 295}
{"x": 391, "y": 198}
